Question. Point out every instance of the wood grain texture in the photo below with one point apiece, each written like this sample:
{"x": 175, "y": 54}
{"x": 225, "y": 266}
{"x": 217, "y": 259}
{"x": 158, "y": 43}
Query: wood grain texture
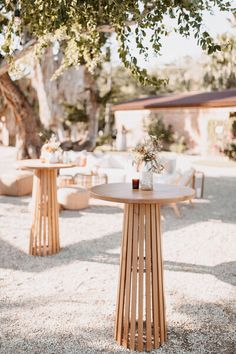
{"x": 161, "y": 297}
{"x": 141, "y": 236}
{"x": 128, "y": 278}
{"x": 121, "y": 287}
{"x": 148, "y": 278}
{"x": 123, "y": 193}
{"x": 134, "y": 277}
{"x": 34, "y": 164}
{"x": 140, "y": 312}
{"x": 155, "y": 271}
{"x": 44, "y": 235}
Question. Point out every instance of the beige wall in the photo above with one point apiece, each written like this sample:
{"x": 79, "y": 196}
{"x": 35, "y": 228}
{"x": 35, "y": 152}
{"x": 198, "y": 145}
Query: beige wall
{"x": 133, "y": 121}
{"x": 192, "y": 123}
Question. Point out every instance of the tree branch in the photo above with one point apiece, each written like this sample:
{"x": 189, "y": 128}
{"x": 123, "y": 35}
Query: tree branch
{"x": 4, "y": 67}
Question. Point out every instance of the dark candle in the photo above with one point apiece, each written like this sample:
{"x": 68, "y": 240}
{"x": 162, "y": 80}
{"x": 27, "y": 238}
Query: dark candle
{"x": 135, "y": 183}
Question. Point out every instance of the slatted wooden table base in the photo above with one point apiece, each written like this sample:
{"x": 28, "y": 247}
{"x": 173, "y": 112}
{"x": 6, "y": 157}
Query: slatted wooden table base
{"x": 44, "y": 235}
{"x": 140, "y": 311}
{"x": 140, "y": 314}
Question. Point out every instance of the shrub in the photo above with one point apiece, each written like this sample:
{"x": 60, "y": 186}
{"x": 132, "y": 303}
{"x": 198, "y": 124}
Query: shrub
{"x": 156, "y": 127}
{"x": 179, "y": 145}
{"x": 230, "y": 151}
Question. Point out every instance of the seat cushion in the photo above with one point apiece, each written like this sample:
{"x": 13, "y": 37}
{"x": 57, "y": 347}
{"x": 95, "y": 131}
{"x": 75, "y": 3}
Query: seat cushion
{"x": 114, "y": 175}
{"x": 73, "y": 197}
{"x": 17, "y": 183}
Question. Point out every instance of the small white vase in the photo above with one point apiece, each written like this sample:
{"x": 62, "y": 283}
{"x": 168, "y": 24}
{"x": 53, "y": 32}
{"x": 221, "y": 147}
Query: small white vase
{"x": 52, "y": 157}
{"x": 146, "y": 178}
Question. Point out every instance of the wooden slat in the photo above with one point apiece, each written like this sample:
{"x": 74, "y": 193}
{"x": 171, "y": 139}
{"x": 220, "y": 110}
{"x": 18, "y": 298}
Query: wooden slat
{"x": 37, "y": 219}
{"x": 34, "y": 191}
{"x": 56, "y": 210}
{"x": 141, "y": 268}
{"x": 128, "y": 278}
{"x": 44, "y": 233}
{"x": 160, "y": 281}
{"x": 34, "y": 205}
{"x": 44, "y": 205}
{"x": 40, "y": 210}
{"x": 49, "y": 214}
{"x": 134, "y": 277}
{"x": 154, "y": 277}
{"x": 148, "y": 276}
{"x": 121, "y": 287}
{"x": 54, "y": 246}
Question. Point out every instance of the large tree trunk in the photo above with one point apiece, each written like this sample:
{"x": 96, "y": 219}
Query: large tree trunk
{"x": 53, "y": 95}
{"x": 28, "y": 141}
{"x": 75, "y": 84}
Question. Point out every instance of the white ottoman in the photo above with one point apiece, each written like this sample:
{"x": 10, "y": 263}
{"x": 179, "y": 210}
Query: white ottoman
{"x": 73, "y": 197}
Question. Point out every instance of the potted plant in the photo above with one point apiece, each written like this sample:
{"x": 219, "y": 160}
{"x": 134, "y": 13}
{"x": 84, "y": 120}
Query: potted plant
{"x": 51, "y": 151}
{"x": 146, "y": 157}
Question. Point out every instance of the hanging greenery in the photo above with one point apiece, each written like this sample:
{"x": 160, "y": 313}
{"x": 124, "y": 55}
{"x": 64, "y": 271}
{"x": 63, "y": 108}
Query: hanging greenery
{"x": 83, "y": 27}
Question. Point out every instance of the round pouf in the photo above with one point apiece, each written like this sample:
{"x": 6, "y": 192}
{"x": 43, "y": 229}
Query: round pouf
{"x": 16, "y": 183}
{"x": 73, "y": 198}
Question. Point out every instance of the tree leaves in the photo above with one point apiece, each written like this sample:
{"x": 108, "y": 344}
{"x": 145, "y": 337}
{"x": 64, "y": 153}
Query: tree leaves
{"x": 80, "y": 25}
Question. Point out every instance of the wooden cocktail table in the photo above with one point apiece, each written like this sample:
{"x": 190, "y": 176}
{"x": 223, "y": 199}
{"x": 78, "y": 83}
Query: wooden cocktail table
{"x": 140, "y": 311}
{"x": 44, "y": 234}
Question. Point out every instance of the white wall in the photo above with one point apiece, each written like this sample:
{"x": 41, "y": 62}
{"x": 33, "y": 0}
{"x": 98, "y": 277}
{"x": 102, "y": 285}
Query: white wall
{"x": 192, "y": 123}
{"x": 134, "y": 123}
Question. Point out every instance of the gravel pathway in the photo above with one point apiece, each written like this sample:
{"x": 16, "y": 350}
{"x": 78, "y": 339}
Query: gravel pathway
{"x": 66, "y": 303}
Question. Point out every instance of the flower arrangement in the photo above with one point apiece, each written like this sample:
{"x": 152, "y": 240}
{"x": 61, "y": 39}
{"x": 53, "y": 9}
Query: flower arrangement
{"x": 147, "y": 153}
{"x": 51, "y": 151}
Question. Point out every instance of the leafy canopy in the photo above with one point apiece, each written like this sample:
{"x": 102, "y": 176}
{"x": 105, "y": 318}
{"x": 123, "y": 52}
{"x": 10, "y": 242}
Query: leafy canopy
{"x": 220, "y": 70}
{"x": 83, "y": 27}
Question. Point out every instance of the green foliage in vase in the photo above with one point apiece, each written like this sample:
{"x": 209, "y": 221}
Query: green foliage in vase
{"x": 83, "y": 27}
{"x": 147, "y": 152}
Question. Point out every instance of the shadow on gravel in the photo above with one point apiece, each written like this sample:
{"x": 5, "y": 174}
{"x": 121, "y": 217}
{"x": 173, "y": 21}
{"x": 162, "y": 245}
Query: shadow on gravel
{"x": 210, "y": 329}
{"x": 98, "y": 250}
{"x": 95, "y": 250}
{"x": 100, "y": 209}
{"x": 21, "y": 201}
{"x": 219, "y": 204}
{"x": 90, "y": 340}
{"x": 225, "y": 272}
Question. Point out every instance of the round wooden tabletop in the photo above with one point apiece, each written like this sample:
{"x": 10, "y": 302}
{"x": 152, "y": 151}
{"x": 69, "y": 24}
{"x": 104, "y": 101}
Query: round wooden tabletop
{"x": 32, "y": 164}
{"x": 123, "y": 193}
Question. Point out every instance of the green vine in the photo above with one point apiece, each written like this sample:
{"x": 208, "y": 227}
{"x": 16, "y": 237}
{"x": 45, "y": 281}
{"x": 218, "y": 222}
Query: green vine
{"x": 83, "y": 27}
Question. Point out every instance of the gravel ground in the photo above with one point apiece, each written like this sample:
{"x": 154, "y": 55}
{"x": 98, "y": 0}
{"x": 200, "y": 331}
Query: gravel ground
{"x": 65, "y": 303}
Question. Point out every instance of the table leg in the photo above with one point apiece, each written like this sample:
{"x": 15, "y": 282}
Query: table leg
{"x": 140, "y": 312}
{"x": 44, "y": 235}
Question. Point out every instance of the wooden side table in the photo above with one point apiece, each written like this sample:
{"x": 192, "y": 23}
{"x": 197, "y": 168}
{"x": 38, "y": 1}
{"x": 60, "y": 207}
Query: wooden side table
{"x": 44, "y": 234}
{"x": 140, "y": 311}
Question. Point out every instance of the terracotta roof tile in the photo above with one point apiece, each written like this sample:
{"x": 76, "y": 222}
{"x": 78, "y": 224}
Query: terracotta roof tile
{"x": 190, "y": 99}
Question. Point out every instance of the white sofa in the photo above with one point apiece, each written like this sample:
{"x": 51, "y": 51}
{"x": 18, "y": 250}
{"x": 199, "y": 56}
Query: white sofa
{"x": 117, "y": 167}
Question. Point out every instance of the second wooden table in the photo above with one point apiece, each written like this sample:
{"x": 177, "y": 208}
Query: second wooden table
{"x": 44, "y": 234}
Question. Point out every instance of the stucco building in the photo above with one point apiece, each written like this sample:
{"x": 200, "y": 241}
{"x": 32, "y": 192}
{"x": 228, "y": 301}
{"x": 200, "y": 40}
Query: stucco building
{"x": 204, "y": 119}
